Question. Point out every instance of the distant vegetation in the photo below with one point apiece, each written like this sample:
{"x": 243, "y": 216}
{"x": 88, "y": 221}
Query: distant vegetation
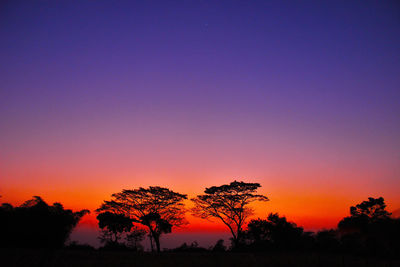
{"x": 35, "y": 224}
{"x": 131, "y": 215}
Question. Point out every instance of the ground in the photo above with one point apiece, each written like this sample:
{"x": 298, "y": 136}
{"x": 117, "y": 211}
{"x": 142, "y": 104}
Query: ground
{"x": 65, "y": 258}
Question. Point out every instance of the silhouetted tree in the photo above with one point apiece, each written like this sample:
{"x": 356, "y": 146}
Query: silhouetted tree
{"x": 219, "y": 246}
{"x": 274, "y": 232}
{"x": 193, "y": 247}
{"x": 113, "y": 226}
{"x": 228, "y": 203}
{"x": 158, "y": 209}
{"x": 74, "y": 245}
{"x": 370, "y": 229}
{"x": 36, "y": 224}
{"x": 158, "y": 225}
{"x": 135, "y": 237}
{"x": 327, "y": 240}
{"x": 373, "y": 208}
{"x": 363, "y": 214}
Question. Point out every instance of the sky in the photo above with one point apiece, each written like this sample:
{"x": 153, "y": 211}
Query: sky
{"x": 302, "y": 97}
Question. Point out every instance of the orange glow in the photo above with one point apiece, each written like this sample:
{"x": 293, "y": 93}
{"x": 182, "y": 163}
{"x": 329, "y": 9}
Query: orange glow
{"x": 313, "y": 194}
{"x": 306, "y": 207}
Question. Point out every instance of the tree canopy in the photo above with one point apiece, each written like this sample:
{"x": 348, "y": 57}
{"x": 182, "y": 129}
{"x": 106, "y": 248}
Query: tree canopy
{"x": 370, "y": 228}
{"x": 113, "y": 225}
{"x": 37, "y": 224}
{"x": 159, "y": 209}
{"x": 362, "y": 215}
{"x": 228, "y": 203}
{"x": 275, "y": 232}
{"x": 373, "y": 208}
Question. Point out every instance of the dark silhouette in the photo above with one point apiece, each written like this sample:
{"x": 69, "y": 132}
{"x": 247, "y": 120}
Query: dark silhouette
{"x": 219, "y": 246}
{"x": 113, "y": 226}
{"x": 158, "y": 209}
{"x": 134, "y": 238}
{"x": 369, "y": 233}
{"x": 35, "y": 224}
{"x": 370, "y": 229}
{"x": 193, "y": 247}
{"x": 274, "y": 233}
{"x": 364, "y": 214}
{"x": 327, "y": 240}
{"x": 228, "y": 203}
{"x": 74, "y": 245}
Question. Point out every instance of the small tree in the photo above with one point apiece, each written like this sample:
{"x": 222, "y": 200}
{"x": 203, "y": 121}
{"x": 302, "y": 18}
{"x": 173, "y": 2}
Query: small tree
{"x": 135, "y": 237}
{"x": 219, "y": 246}
{"x": 113, "y": 226}
{"x": 275, "y": 231}
{"x": 158, "y": 209}
{"x": 228, "y": 203}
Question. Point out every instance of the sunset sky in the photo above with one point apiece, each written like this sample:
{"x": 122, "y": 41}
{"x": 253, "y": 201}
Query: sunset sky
{"x": 304, "y": 98}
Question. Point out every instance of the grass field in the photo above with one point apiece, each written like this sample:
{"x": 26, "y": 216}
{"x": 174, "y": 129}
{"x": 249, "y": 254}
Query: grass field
{"x": 60, "y": 258}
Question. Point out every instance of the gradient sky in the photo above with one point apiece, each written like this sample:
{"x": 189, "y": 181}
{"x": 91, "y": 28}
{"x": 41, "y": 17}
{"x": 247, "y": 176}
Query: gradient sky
{"x": 300, "y": 96}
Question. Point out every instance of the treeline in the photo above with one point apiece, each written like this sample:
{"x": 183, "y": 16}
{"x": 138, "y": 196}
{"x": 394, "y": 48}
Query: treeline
{"x": 35, "y": 224}
{"x": 132, "y": 215}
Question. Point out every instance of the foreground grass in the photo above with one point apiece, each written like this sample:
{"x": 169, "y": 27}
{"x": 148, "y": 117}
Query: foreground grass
{"x": 67, "y": 258}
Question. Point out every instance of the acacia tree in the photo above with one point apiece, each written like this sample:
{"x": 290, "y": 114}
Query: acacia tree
{"x": 159, "y": 209}
{"x": 228, "y": 203}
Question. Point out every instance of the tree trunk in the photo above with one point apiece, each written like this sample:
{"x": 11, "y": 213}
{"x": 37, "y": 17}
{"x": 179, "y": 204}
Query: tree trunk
{"x": 151, "y": 242}
{"x": 235, "y": 242}
{"x": 157, "y": 241}
{"x": 151, "y": 236}
{"x": 237, "y": 238}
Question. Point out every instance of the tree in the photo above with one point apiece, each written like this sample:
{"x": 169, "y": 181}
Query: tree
{"x": 113, "y": 226}
{"x": 228, "y": 203}
{"x": 327, "y": 240}
{"x": 219, "y": 246}
{"x": 276, "y": 231}
{"x": 159, "y": 209}
{"x": 37, "y": 224}
{"x": 373, "y": 208}
{"x": 363, "y": 214}
{"x": 185, "y": 248}
{"x": 369, "y": 228}
{"x": 135, "y": 237}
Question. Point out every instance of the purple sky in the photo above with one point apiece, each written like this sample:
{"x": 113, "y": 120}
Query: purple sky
{"x": 331, "y": 66}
